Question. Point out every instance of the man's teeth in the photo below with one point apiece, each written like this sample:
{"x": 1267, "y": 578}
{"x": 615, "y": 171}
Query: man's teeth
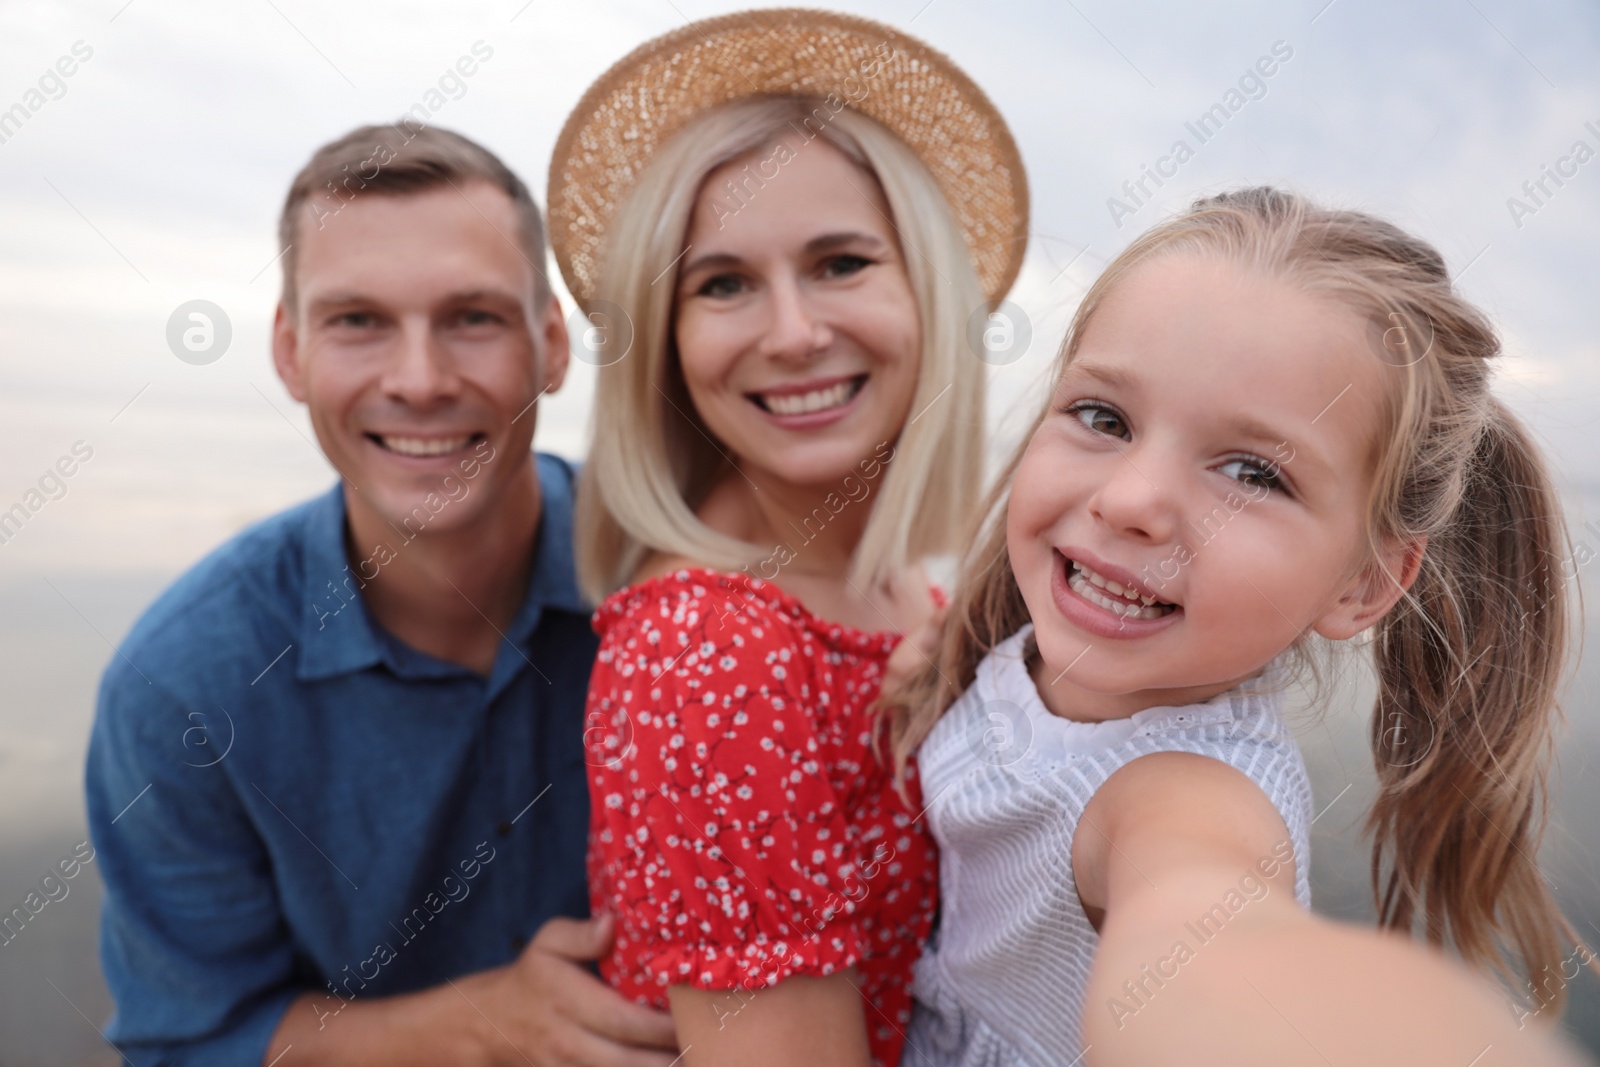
{"x": 424, "y": 446}
{"x": 806, "y": 403}
{"x": 1087, "y": 584}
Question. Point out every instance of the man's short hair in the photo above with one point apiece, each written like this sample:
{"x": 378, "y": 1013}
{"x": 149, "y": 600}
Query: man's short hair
{"x": 401, "y": 160}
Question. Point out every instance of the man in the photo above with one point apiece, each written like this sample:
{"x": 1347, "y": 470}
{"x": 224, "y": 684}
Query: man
{"x": 336, "y": 779}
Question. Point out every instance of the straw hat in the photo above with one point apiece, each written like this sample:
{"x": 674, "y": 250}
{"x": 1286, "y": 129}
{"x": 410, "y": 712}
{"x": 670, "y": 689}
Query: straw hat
{"x": 913, "y": 90}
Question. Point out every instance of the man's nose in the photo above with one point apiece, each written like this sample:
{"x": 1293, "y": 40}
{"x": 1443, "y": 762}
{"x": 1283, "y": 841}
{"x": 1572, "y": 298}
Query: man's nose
{"x": 421, "y": 370}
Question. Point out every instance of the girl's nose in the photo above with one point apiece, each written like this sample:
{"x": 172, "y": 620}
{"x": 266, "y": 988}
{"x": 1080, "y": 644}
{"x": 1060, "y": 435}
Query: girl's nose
{"x": 1138, "y": 498}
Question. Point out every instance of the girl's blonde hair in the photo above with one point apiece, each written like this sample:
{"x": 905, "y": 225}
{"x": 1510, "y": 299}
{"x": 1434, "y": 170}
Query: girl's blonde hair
{"x": 1468, "y": 662}
{"x": 652, "y": 460}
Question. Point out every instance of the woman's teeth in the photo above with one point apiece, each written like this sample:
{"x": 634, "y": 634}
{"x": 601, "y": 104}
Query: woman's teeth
{"x": 814, "y": 401}
{"x": 424, "y": 446}
{"x": 1089, "y": 585}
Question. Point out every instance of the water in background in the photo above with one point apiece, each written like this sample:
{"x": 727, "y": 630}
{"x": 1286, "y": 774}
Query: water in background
{"x": 51, "y": 995}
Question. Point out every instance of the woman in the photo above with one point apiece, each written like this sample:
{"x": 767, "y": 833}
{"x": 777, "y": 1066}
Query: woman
{"x": 780, "y": 224}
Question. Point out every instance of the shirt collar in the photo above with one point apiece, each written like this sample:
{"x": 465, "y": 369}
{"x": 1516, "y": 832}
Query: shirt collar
{"x": 339, "y": 636}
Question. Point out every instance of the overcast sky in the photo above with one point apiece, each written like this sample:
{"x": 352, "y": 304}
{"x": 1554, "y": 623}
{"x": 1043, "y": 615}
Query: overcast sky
{"x": 154, "y": 173}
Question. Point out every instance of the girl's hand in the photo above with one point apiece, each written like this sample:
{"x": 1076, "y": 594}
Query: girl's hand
{"x": 920, "y": 621}
{"x": 1185, "y": 867}
{"x": 913, "y": 654}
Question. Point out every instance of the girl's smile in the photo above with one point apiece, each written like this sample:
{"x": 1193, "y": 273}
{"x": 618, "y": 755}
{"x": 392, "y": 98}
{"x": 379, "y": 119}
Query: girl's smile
{"x": 1104, "y": 606}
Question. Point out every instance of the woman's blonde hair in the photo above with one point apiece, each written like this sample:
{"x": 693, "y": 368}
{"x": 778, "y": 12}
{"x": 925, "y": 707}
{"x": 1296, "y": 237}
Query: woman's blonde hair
{"x": 652, "y": 460}
{"x": 1469, "y": 661}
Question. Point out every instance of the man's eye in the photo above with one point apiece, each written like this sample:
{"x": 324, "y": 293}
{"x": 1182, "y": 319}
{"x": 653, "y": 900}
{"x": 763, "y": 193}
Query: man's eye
{"x": 1099, "y": 418}
{"x": 844, "y": 264}
{"x": 720, "y": 285}
{"x": 476, "y": 317}
{"x": 357, "y": 320}
{"x": 1255, "y": 472}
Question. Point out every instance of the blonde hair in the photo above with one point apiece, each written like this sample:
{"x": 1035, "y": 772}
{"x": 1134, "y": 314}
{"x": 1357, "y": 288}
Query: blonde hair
{"x": 652, "y": 461}
{"x": 1468, "y": 661}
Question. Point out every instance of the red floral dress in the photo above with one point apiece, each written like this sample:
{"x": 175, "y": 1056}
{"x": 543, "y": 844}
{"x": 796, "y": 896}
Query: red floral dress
{"x": 742, "y": 829}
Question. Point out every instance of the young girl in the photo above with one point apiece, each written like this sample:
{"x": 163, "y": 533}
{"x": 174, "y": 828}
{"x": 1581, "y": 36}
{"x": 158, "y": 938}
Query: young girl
{"x": 1271, "y": 423}
{"x": 795, "y": 417}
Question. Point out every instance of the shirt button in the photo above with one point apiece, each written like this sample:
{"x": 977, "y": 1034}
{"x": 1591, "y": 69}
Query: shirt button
{"x": 504, "y": 829}
{"x": 518, "y": 944}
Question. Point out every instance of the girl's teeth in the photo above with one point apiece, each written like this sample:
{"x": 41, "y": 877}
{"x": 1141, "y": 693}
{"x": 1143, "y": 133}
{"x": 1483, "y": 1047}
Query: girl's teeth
{"x": 1087, "y": 584}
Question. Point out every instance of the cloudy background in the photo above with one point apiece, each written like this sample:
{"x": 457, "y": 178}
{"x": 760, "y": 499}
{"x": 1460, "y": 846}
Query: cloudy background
{"x": 155, "y": 178}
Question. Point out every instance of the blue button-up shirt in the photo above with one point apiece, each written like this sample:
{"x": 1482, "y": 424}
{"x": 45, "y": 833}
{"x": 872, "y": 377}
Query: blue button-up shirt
{"x": 284, "y": 797}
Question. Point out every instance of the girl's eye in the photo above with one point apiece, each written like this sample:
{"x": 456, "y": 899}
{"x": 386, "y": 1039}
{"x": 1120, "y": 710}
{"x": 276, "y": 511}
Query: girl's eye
{"x": 1099, "y": 418}
{"x": 845, "y": 264}
{"x": 720, "y": 285}
{"x": 1256, "y": 472}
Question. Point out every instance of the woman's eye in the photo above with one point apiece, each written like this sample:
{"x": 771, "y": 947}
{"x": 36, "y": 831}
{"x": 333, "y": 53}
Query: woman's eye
{"x": 720, "y": 285}
{"x": 842, "y": 265}
{"x": 1100, "y": 419}
{"x": 1255, "y": 472}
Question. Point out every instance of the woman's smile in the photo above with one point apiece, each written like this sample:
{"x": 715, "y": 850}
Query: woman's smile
{"x": 809, "y": 404}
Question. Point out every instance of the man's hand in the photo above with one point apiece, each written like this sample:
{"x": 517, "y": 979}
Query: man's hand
{"x": 544, "y": 1009}
{"x": 555, "y": 1011}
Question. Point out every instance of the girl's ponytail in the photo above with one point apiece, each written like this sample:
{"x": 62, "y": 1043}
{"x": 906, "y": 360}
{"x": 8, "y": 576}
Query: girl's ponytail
{"x": 1469, "y": 661}
{"x": 1468, "y": 666}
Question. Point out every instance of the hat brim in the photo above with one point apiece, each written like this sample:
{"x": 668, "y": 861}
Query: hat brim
{"x": 908, "y": 87}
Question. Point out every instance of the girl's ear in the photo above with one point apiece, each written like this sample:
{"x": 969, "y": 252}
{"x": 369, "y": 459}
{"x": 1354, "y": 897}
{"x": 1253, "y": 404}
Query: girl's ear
{"x": 1373, "y": 592}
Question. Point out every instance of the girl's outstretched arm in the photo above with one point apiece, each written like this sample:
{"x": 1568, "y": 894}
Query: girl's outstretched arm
{"x": 1205, "y": 956}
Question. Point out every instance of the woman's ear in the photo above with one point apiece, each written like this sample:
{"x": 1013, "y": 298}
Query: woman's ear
{"x": 1373, "y": 591}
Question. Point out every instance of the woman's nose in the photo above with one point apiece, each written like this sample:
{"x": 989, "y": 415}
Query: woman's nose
{"x": 794, "y": 331}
